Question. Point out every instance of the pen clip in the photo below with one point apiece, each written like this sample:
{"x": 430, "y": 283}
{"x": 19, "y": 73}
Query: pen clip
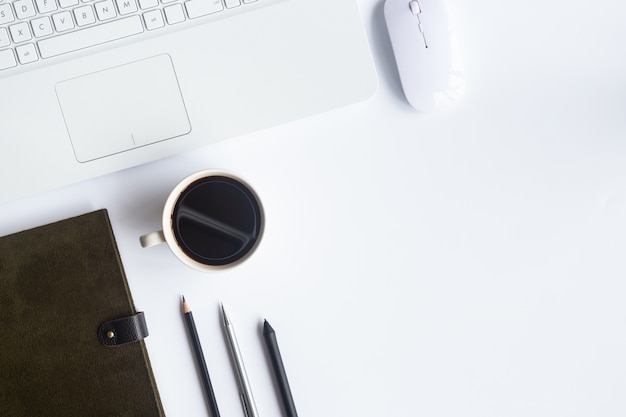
{"x": 244, "y": 405}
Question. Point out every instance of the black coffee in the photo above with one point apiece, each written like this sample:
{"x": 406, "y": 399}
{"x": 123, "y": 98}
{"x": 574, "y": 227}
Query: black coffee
{"x": 217, "y": 220}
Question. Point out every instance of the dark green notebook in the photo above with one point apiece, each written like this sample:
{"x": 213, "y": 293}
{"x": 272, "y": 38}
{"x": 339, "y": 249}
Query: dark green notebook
{"x": 58, "y": 284}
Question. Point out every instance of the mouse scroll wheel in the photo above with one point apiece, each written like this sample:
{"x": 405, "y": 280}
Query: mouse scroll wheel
{"x": 415, "y": 7}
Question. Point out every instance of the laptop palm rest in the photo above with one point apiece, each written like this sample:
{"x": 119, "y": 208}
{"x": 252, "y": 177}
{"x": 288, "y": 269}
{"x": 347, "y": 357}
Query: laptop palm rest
{"x": 122, "y": 108}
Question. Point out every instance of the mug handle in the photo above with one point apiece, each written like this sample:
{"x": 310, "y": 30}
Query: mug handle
{"x": 152, "y": 239}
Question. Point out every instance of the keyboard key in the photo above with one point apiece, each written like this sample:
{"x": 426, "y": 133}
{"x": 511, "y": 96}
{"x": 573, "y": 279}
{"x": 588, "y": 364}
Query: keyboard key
{"x": 174, "y": 14}
{"x": 7, "y": 59}
{"x": 24, "y": 9}
{"x": 4, "y": 38}
{"x": 198, "y": 8}
{"x": 92, "y": 36}
{"x": 42, "y": 26}
{"x": 153, "y": 19}
{"x": 46, "y": 6}
{"x": 68, "y": 3}
{"x": 84, "y": 16}
{"x": 105, "y": 10}
{"x": 6, "y": 14}
{"x": 63, "y": 21}
{"x": 147, "y": 4}
{"x": 232, "y": 3}
{"x": 20, "y": 32}
{"x": 27, "y": 53}
{"x": 126, "y": 6}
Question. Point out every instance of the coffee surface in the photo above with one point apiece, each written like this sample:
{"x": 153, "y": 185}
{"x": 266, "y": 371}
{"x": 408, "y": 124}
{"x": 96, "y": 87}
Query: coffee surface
{"x": 217, "y": 220}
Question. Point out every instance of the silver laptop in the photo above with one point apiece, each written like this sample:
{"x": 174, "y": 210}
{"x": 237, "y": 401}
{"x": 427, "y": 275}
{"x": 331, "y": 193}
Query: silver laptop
{"x": 89, "y": 87}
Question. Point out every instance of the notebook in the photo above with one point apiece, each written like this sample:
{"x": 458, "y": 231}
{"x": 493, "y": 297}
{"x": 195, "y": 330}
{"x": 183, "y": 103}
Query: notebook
{"x": 72, "y": 340}
{"x": 94, "y": 86}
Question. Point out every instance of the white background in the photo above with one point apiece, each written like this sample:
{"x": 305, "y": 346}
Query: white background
{"x": 466, "y": 262}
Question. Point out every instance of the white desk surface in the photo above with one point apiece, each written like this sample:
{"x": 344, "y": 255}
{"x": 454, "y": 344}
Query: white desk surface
{"x": 468, "y": 262}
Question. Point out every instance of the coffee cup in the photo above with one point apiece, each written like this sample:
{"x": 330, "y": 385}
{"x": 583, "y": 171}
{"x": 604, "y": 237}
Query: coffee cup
{"x": 211, "y": 220}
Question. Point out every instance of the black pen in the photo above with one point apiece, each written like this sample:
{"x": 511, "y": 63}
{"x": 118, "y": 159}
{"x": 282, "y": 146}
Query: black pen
{"x": 279, "y": 370}
{"x": 204, "y": 372}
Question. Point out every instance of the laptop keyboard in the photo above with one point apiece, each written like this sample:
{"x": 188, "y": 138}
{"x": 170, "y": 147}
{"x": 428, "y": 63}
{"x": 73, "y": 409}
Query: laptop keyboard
{"x": 36, "y": 30}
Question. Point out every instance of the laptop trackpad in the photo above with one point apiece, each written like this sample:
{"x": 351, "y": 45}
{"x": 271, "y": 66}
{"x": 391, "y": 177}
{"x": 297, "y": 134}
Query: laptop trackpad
{"x": 123, "y": 108}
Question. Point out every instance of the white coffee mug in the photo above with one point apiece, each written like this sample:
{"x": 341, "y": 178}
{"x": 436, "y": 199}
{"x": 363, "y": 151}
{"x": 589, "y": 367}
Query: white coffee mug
{"x": 212, "y": 220}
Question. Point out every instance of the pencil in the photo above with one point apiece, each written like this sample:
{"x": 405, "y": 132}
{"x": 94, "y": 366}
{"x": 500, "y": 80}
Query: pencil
{"x": 279, "y": 370}
{"x": 204, "y": 372}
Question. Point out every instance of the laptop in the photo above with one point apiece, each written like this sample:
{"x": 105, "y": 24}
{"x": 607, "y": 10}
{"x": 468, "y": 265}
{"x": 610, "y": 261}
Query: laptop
{"x": 94, "y": 86}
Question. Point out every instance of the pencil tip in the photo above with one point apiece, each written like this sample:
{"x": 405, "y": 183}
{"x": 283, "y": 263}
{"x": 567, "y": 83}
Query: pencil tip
{"x": 186, "y": 307}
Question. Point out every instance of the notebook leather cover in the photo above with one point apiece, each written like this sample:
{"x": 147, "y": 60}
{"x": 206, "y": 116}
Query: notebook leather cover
{"x": 58, "y": 284}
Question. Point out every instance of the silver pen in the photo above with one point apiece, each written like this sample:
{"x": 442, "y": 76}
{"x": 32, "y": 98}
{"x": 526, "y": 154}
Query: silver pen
{"x": 247, "y": 400}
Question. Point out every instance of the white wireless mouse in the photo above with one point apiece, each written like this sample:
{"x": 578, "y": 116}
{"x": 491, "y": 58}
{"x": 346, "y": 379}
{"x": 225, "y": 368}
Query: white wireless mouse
{"x": 426, "y": 52}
